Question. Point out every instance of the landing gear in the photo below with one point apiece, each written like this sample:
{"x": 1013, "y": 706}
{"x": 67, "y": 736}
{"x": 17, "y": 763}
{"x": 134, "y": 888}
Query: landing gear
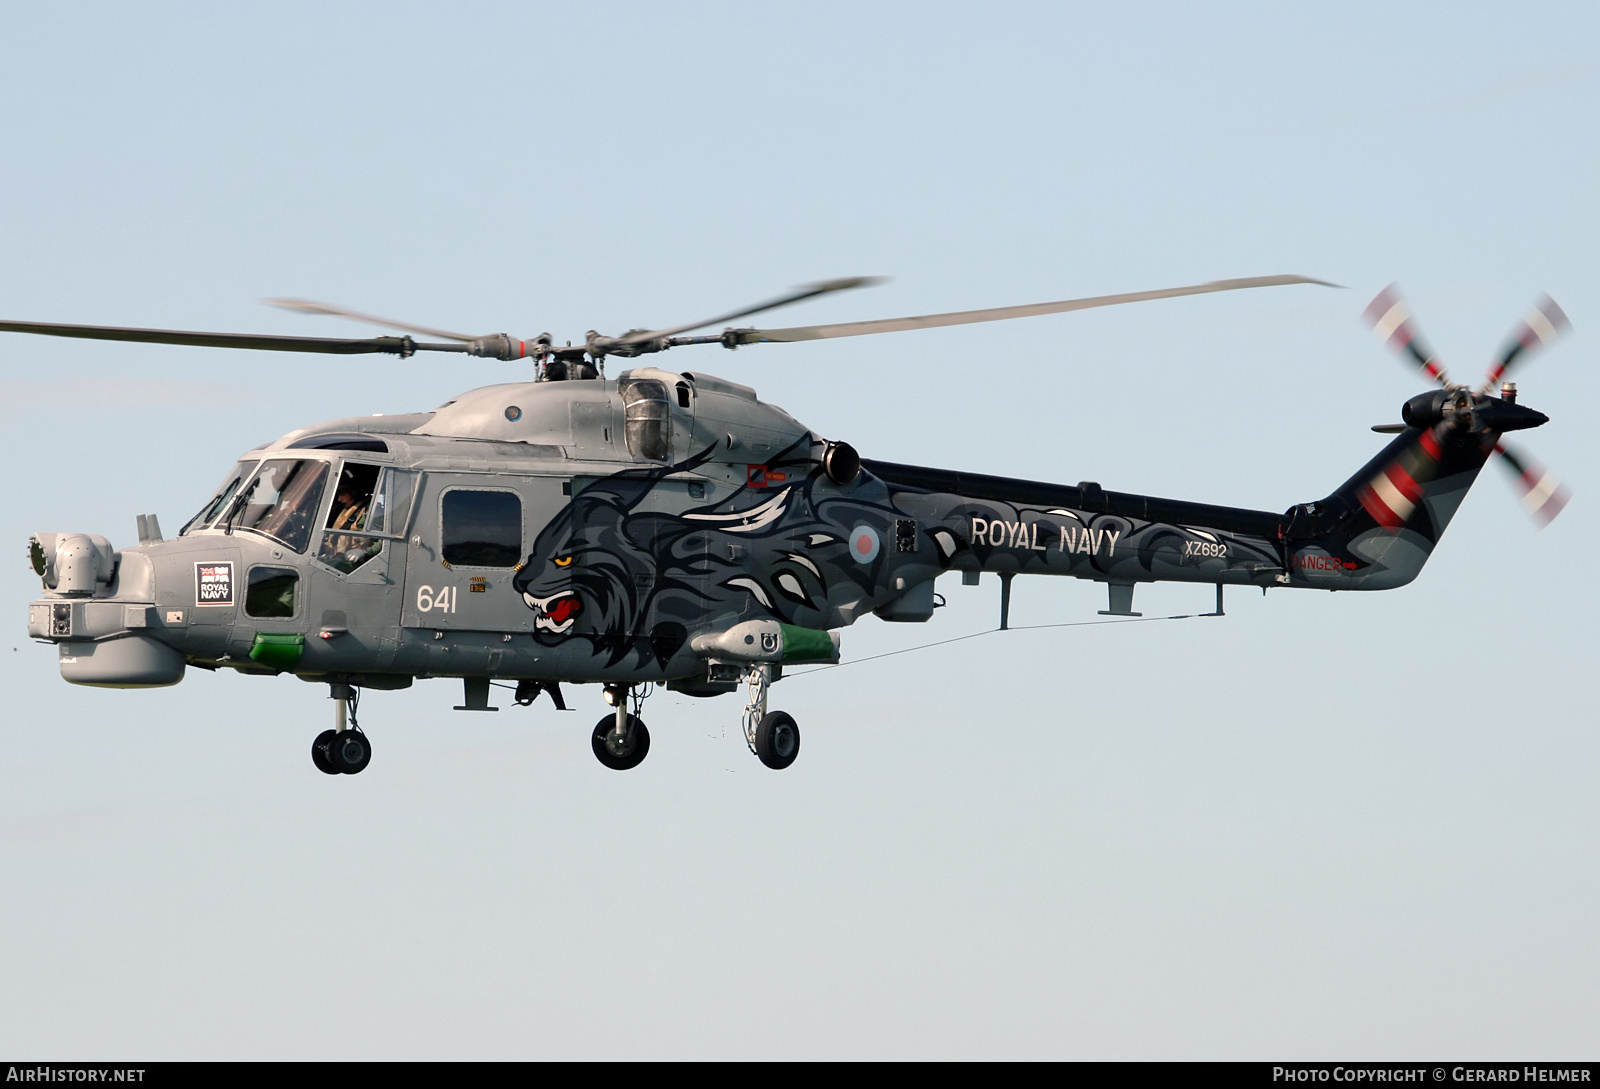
{"x": 620, "y": 739}
{"x": 619, "y": 752}
{"x": 774, "y": 737}
{"x": 320, "y": 749}
{"x": 777, "y": 740}
{"x": 343, "y": 750}
{"x": 350, "y": 752}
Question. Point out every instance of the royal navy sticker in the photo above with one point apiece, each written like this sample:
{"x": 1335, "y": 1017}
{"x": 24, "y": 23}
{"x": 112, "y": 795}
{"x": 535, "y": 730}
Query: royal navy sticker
{"x": 213, "y": 583}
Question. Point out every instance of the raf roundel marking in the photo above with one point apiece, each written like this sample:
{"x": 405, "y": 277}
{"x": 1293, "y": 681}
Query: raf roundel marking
{"x": 864, "y": 544}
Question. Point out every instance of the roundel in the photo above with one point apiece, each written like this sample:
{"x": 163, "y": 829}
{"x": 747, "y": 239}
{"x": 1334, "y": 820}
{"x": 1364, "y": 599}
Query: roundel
{"x": 864, "y": 544}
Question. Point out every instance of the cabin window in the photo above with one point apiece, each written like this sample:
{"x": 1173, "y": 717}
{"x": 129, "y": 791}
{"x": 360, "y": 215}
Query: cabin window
{"x": 481, "y": 528}
{"x": 271, "y": 592}
{"x": 647, "y": 422}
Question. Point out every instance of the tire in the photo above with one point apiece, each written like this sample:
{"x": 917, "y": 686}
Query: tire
{"x": 777, "y": 740}
{"x": 321, "y": 752}
{"x": 638, "y": 744}
{"x": 350, "y": 751}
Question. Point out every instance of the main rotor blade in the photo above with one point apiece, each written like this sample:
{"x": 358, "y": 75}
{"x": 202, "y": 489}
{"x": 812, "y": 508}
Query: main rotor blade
{"x": 401, "y": 346}
{"x": 1543, "y": 496}
{"x": 799, "y": 294}
{"x": 1544, "y": 323}
{"x": 306, "y": 306}
{"x": 1390, "y": 318}
{"x": 1002, "y": 313}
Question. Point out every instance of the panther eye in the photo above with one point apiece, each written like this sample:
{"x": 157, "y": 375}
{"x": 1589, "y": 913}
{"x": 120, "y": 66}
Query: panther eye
{"x": 563, "y": 561}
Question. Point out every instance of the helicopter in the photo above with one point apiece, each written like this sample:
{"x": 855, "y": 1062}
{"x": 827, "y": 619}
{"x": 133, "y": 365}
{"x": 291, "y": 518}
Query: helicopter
{"x": 671, "y": 528}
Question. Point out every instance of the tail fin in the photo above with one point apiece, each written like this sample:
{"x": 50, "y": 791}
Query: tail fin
{"x": 1379, "y": 527}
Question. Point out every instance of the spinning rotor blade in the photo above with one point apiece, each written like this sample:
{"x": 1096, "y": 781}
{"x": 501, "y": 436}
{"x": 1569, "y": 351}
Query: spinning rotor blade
{"x": 1390, "y": 318}
{"x": 306, "y": 306}
{"x": 968, "y": 317}
{"x": 401, "y": 346}
{"x": 1543, "y": 496}
{"x": 805, "y": 291}
{"x": 1393, "y": 494}
{"x": 1544, "y": 323}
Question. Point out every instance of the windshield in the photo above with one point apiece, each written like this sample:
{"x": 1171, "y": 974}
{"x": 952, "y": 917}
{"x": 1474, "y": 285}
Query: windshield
{"x": 214, "y": 506}
{"x": 280, "y": 502}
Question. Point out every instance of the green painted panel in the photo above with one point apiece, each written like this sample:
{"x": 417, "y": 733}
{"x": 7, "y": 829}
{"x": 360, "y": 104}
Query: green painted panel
{"x": 805, "y": 644}
{"x": 278, "y": 651}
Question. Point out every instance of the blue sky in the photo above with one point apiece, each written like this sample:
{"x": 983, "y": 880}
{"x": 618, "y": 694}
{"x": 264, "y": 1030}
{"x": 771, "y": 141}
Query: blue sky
{"x": 1326, "y": 825}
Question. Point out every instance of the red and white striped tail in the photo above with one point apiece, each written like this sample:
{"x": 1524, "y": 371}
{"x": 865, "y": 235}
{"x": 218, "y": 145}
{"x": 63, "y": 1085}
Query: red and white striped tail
{"x": 1393, "y": 494}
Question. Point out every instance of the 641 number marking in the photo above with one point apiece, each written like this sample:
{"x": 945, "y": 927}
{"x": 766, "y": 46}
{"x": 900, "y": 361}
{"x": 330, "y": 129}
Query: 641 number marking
{"x": 443, "y": 602}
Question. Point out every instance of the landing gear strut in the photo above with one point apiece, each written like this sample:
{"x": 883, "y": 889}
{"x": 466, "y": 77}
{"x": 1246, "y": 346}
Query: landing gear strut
{"x": 620, "y": 740}
{"x": 773, "y": 737}
{"x": 343, "y": 750}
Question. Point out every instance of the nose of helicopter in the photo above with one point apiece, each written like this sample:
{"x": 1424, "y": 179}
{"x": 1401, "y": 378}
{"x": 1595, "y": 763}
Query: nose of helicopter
{"x": 99, "y": 611}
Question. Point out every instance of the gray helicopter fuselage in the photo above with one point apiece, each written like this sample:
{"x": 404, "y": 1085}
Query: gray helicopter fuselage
{"x": 264, "y": 596}
{"x": 623, "y": 531}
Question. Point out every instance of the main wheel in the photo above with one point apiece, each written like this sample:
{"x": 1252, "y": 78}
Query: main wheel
{"x": 777, "y": 740}
{"x": 320, "y": 752}
{"x": 350, "y": 751}
{"x": 612, "y": 751}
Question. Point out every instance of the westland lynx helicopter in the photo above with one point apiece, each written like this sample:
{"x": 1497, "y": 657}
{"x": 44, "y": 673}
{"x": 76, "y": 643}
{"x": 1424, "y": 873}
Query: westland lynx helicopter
{"x": 670, "y": 527}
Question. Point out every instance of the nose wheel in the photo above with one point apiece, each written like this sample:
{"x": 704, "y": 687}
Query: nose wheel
{"x": 343, "y": 750}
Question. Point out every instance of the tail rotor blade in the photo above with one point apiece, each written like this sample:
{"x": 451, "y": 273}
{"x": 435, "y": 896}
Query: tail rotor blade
{"x": 1545, "y": 323}
{"x": 1390, "y": 318}
{"x": 1393, "y": 494}
{"x": 1543, "y": 496}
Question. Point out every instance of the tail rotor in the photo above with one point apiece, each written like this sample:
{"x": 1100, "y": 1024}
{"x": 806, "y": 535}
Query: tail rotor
{"x": 1545, "y": 323}
{"x": 1543, "y": 495}
{"x": 1392, "y": 495}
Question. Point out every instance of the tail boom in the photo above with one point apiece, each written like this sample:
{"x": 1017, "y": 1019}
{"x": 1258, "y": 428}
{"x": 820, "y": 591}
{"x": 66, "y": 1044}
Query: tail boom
{"x": 1374, "y": 532}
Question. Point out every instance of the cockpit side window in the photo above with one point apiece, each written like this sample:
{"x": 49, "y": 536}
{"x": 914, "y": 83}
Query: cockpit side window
{"x": 358, "y": 504}
{"x": 352, "y": 497}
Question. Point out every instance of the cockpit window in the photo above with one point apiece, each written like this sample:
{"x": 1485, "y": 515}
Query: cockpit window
{"x": 215, "y": 505}
{"x": 647, "y": 421}
{"x": 281, "y": 502}
{"x": 358, "y": 504}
